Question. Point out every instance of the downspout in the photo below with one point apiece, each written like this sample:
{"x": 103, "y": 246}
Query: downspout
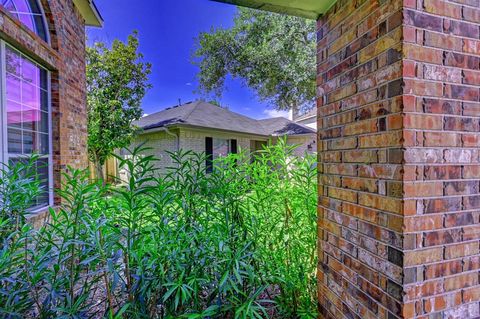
{"x": 177, "y": 140}
{"x": 177, "y": 137}
{"x": 166, "y": 130}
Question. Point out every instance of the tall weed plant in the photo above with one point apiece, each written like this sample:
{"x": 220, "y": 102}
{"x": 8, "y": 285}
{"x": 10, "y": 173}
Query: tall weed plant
{"x": 238, "y": 242}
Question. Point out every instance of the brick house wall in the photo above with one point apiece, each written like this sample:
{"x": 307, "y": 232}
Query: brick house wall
{"x": 161, "y": 143}
{"x": 441, "y": 71}
{"x": 65, "y": 59}
{"x": 398, "y": 118}
{"x": 158, "y": 143}
{"x": 67, "y": 29}
{"x": 195, "y": 139}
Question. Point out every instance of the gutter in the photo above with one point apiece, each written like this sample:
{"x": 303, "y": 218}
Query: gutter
{"x": 203, "y": 128}
{"x": 89, "y": 12}
{"x": 166, "y": 130}
{"x": 294, "y": 135}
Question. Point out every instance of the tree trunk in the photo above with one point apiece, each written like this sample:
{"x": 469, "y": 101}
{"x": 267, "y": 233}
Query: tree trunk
{"x": 99, "y": 171}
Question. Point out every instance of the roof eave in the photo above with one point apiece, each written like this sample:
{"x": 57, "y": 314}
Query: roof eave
{"x": 89, "y": 12}
{"x": 294, "y": 135}
{"x": 293, "y": 8}
{"x": 204, "y": 128}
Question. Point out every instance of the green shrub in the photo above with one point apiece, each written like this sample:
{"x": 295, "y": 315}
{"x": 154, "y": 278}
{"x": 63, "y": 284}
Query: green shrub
{"x": 238, "y": 242}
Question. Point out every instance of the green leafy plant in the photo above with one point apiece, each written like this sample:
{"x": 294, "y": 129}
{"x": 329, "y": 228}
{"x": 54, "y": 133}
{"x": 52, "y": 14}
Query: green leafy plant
{"x": 19, "y": 187}
{"x": 237, "y": 242}
{"x": 117, "y": 81}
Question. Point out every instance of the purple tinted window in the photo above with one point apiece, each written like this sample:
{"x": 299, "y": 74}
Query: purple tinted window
{"x": 31, "y": 119}
{"x": 14, "y": 141}
{"x": 14, "y": 91}
{"x": 29, "y": 13}
{"x": 30, "y": 95}
{"x": 27, "y": 113}
{"x": 14, "y": 114}
{"x": 14, "y": 63}
{"x": 30, "y": 72}
{"x": 27, "y": 102}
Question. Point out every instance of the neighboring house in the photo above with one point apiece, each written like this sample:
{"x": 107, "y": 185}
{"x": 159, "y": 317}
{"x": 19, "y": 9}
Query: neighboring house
{"x": 204, "y": 127}
{"x": 43, "y": 86}
{"x": 308, "y": 118}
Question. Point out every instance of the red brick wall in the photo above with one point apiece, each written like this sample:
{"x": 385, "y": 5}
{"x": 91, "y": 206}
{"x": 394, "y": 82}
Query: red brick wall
{"x": 68, "y": 88}
{"x": 442, "y": 168}
{"x": 399, "y": 122}
{"x": 360, "y": 123}
{"x": 65, "y": 57}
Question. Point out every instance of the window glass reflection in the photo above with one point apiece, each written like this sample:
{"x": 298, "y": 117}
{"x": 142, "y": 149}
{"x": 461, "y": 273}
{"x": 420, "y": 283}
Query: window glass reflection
{"x": 27, "y": 114}
{"x": 29, "y": 13}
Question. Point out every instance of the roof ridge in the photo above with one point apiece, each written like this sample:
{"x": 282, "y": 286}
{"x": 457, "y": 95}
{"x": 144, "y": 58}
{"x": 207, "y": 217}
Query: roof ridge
{"x": 225, "y": 109}
{"x": 274, "y": 118}
{"x": 166, "y": 109}
{"x": 197, "y": 103}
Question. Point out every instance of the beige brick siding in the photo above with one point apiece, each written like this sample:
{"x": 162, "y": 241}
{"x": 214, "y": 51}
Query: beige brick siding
{"x": 304, "y": 143}
{"x": 160, "y": 143}
{"x": 194, "y": 139}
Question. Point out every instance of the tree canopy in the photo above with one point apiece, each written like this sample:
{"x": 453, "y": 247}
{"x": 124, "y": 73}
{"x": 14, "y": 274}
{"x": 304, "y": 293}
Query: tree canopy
{"x": 117, "y": 81}
{"x": 273, "y": 54}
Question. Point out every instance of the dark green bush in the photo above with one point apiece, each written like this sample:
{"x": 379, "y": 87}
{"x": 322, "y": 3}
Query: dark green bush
{"x": 235, "y": 243}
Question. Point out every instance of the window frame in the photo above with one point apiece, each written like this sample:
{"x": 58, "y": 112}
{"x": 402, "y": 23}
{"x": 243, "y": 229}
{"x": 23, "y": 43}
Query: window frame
{"x": 209, "y": 150}
{"x": 41, "y": 13}
{"x": 4, "y": 155}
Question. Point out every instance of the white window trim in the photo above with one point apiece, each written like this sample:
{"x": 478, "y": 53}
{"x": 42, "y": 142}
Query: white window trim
{"x": 3, "y": 116}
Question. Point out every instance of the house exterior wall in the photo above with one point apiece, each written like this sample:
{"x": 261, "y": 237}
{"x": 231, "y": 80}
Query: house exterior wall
{"x": 159, "y": 143}
{"x": 69, "y": 97}
{"x": 308, "y": 119}
{"x": 304, "y": 143}
{"x": 398, "y": 118}
{"x": 191, "y": 139}
{"x": 441, "y": 69}
{"x": 194, "y": 140}
{"x": 65, "y": 59}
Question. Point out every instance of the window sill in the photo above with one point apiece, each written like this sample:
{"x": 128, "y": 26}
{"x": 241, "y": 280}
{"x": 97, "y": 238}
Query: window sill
{"x": 39, "y": 216}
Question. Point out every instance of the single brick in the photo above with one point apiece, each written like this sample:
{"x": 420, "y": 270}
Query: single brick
{"x": 424, "y": 256}
{"x": 461, "y": 28}
{"x": 443, "y": 205}
{"x": 462, "y": 124}
{"x": 462, "y": 61}
{"x": 461, "y": 250}
{"x": 445, "y": 268}
{"x": 424, "y": 21}
{"x": 443, "y": 172}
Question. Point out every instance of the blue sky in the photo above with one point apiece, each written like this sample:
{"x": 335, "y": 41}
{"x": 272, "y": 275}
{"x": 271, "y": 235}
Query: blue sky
{"x": 167, "y": 30}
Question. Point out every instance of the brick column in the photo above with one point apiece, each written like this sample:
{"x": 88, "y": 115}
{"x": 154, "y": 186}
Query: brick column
{"x": 399, "y": 122}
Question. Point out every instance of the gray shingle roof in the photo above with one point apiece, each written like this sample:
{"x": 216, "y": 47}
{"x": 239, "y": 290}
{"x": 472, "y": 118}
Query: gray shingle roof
{"x": 206, "y": 115}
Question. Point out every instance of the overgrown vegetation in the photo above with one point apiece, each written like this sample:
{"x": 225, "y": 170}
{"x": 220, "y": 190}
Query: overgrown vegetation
{"x": 236, "y": 243}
